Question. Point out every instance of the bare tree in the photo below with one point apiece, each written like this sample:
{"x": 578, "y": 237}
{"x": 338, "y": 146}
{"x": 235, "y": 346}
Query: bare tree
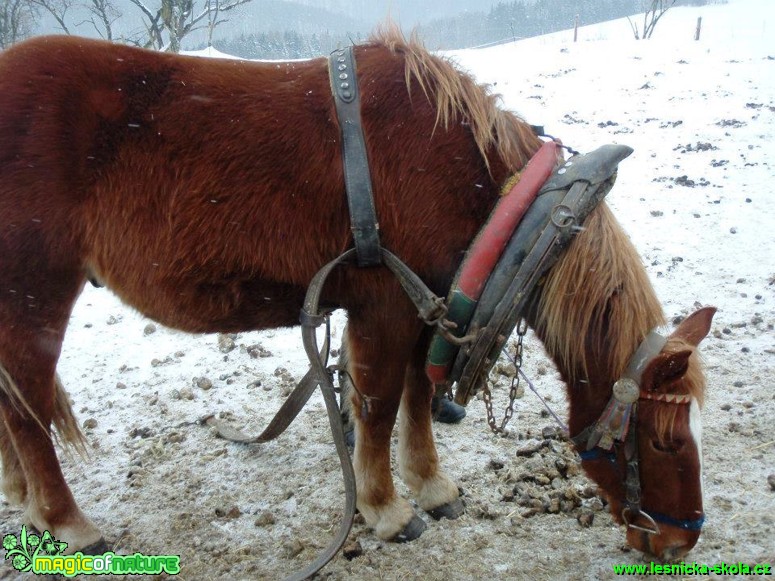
{"x": 103, "y": 14}
{"x": 169, "y": 24}
{"x": 653, "y": 11}
{"x": 166, "y": 22}
{"x": 58, "y": 9}
{"x": 17, "y": 21}
{"x": 212, "y": 19}
{"x": 154, "y": 27}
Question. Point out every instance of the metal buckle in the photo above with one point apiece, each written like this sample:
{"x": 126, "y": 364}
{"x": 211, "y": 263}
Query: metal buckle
{"x": 632, "y": 525}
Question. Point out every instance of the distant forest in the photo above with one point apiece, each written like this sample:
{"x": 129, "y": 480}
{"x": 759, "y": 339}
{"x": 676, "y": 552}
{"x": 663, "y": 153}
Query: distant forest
{"x": 505, "y": 22}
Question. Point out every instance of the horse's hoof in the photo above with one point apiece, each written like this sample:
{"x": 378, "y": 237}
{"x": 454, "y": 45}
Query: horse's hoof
{"x": 450, "y": 510}
{"x": 98, "y": 548}
{"x": 411, "y": 531}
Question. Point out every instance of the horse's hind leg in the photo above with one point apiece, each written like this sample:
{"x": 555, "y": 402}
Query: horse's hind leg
{"x": 13, "y": 482}
{"x": 418, "y": 460}
{"x": 31, "y": 334}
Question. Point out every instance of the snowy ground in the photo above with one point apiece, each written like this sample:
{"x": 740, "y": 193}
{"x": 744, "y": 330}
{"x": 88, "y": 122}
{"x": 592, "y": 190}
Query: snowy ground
{"x": 696, "y": 197}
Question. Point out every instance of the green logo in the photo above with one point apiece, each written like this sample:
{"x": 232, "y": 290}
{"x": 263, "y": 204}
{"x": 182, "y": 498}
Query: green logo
{"x": 22, "y": 551}
{"x": 43, "y": 554}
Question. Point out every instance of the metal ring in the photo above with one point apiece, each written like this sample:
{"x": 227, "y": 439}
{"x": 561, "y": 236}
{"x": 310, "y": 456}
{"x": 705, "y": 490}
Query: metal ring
{"x": 563, "y": 216}
{"x": 631, "y": 525}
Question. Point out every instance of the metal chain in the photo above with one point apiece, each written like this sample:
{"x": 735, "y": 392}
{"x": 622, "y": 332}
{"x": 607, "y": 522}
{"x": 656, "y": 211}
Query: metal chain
{"x": 487, "y": 395}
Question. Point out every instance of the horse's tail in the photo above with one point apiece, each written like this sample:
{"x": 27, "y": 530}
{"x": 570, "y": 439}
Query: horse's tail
{"x": 67, "y": 433}
{"x": 65, "y": 424}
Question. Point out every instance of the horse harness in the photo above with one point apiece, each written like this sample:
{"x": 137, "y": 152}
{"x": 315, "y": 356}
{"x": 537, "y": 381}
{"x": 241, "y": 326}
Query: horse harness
{"x": 528, "y": 230}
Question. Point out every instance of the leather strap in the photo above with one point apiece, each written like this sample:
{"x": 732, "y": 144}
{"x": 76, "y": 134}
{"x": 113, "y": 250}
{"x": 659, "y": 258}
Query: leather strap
{"x": 285, "y": 415}
{"x": 357, "y": 179}
{"x": 649, "y": 348}
{"x": 425, "y": 301}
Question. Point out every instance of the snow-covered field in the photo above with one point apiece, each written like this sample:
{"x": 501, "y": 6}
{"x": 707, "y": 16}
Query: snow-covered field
{"x": 697, "y": 199}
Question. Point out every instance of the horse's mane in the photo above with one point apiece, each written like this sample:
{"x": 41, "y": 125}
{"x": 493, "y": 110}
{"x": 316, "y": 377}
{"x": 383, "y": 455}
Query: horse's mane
{"x": 598, "y": 289}
{"x": 597, "y": 300}
{"x": 456, "y": 96}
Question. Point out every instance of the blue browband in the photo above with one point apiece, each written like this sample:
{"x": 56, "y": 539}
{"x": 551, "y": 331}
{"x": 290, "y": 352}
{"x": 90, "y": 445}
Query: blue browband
{"x": 597, "y": 454}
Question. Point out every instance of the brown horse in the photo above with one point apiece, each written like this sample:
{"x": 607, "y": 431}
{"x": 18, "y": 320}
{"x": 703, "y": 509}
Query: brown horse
{"x": 207, "y": 193}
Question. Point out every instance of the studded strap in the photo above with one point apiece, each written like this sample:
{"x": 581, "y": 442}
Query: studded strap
{"x": 357, "y": 178}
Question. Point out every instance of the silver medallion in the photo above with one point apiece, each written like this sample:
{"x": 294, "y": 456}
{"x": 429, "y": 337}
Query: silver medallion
{"x": 626, "y": 390}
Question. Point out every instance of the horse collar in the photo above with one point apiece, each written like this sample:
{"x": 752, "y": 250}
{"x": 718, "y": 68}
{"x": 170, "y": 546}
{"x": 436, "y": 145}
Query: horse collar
{"x": 357, "y": 178}
{"x": 509, "y": 257}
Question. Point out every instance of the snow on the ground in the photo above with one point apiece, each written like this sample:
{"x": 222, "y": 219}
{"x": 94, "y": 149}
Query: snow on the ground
{"x": 696, "y": 197}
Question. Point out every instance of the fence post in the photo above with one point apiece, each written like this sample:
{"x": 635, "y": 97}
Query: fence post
{"x": 699, "y": 27}
{"x": 576, "y": 29}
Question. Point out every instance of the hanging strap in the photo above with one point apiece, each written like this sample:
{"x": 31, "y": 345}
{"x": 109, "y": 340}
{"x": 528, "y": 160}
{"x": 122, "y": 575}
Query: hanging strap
{"x": 287, "y": 412}
{"x": 430, "y": 309}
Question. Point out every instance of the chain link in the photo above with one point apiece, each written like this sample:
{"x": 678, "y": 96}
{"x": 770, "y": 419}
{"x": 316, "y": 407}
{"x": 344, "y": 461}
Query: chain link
{"x": 513, "y": 392}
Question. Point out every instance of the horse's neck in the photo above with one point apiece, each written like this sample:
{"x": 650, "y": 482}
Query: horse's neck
{"x": 587, "y": 392}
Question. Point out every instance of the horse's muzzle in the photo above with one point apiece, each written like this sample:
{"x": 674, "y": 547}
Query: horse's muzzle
{"x": 671, "y": 544}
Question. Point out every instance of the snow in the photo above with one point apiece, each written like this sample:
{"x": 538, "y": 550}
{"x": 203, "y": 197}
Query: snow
{"x": 711, "y": 243}
{"x": 210, "y": 52}
{"x": 645, "y": 87}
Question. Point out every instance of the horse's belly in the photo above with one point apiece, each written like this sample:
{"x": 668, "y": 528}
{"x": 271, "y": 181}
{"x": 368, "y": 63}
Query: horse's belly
{"x": 223, "y": 306}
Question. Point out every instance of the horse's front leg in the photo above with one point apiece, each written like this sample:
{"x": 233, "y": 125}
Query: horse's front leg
{"x": 418, "y": 460}
{"x": 378, "y": 352}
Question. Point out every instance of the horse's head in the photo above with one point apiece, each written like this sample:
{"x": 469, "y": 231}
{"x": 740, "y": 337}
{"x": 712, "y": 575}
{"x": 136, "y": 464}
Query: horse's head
{"x": 653, "y": 476}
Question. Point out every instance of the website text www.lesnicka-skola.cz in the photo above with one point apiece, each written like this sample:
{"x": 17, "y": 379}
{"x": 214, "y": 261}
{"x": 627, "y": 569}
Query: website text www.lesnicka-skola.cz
{"x": 694, "y": 569}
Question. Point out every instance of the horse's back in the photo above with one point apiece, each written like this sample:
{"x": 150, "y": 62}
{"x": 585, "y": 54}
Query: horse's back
{"x": 183, "y": 182}
{"x": 83, "y": 108}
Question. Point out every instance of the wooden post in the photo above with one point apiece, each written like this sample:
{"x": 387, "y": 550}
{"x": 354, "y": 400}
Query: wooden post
{"x": 699, "y": 27}
{"x": 576, "y": 29}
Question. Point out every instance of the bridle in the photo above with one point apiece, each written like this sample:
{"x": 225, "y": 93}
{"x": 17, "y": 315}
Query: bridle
{"x": 617, "y": 425}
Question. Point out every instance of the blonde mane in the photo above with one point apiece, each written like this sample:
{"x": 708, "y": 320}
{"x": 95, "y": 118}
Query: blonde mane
{"x": 457, "y": 97}
{"x": 598, "y": 290}
{"x": 597, "y": 300}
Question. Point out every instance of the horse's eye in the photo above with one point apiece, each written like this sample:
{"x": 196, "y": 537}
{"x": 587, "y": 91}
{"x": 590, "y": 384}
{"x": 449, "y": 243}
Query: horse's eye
{"x": 667, "y": 447}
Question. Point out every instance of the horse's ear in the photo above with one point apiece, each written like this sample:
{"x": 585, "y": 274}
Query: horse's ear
{"x": 696, "y": 326}
{"x": 666, "y": 367}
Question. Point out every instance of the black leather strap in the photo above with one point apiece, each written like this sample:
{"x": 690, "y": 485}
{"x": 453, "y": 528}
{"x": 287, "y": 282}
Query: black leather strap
{"x": 357, "y": 179}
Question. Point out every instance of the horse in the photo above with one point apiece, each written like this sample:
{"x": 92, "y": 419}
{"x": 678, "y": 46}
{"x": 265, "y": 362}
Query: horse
{"x": 207, "y": 193}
